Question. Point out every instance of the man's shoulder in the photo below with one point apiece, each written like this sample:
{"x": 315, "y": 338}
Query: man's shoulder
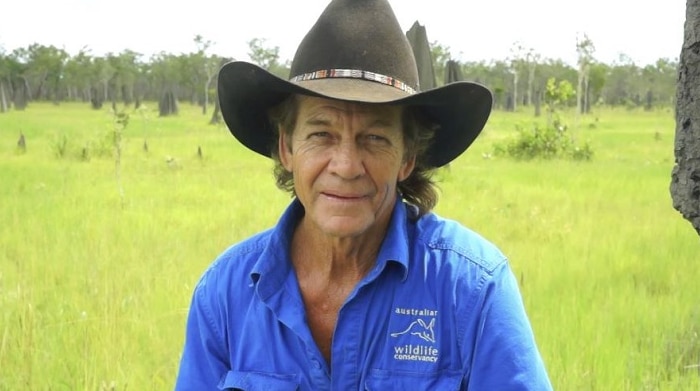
{"x": 247, "y": 248}
{"x": 458, "y": 242}
{"x": 236, "y": 262}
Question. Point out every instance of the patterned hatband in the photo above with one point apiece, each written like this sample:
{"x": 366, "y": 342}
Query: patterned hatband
{"x": 355, "y": 74}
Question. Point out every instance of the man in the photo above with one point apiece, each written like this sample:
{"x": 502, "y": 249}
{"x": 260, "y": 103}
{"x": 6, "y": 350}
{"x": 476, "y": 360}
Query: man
{"x": 359, "y": 286}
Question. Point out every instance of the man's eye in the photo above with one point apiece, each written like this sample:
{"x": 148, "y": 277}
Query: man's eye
{"x": 375, "y": 138}
{"x": 319, "y": 135}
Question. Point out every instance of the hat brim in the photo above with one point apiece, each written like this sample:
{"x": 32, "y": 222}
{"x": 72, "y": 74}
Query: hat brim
{"x": 246, "y": 92}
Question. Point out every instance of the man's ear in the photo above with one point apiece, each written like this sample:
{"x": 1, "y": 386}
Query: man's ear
{"x": 284, "y": 150}
{"x": 407, "y": 168}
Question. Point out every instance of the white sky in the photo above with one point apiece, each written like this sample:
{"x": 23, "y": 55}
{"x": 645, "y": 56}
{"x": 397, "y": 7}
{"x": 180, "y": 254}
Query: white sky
{"x": 644, "y": 30}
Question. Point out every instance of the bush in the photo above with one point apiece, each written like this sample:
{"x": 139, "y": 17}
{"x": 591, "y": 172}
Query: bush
{"x": 60, "y": 145}
{"x": 102, "y": 145}
{"x": 550, "y": 142}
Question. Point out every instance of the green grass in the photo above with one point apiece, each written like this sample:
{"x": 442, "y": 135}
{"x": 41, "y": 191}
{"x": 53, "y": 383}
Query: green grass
{"x": 95, "y": 285}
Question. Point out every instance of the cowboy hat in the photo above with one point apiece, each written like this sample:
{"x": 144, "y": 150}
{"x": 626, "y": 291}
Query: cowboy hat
{"x": 357, "y": 52}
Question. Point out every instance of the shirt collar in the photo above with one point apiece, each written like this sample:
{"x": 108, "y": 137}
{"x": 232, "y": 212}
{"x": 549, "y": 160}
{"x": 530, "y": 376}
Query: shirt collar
{"x": 274, "y": 264}
{"x": 394, "y": 248}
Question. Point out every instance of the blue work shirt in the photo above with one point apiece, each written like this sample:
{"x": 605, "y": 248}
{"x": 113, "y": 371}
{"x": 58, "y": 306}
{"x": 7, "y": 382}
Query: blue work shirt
{"x": 440, "y": 310}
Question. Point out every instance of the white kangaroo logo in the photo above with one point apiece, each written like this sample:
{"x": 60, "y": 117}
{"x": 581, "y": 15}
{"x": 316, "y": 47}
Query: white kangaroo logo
{"x": 420, "y": 330}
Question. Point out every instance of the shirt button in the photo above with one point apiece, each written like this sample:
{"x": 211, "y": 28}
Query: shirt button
{"x": 315, "y": 364}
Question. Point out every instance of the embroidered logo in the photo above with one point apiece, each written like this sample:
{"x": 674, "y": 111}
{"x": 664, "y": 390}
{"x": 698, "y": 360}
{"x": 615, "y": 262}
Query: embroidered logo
{"x": 422, "y": 336}
{"x": 421, "y": 330}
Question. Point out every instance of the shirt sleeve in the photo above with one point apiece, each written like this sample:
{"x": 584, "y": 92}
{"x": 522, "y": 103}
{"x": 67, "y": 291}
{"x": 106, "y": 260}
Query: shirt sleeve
{"x": 505, "y": 355}
{"x": 204, "y": 358}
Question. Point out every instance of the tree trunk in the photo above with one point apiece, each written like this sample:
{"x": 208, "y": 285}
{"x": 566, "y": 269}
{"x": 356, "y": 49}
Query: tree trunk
{"x": 649, "y": 101}
{"x": 3, "y": 98}
{"x": 207, "y": 85}
{"x": 579, "y": 92}
{"x": 530, "y": 82}
{"x": 21, "y": 95}
{"x": 587, "y": 96}
{"x": 205, "y": 104}
{"x": 96, "y": 99}
{"x": 216, "y": 115}
{"x": 510, "y": 103}
{"x": 685, "y": 178}
{"x": 127, "y": 94}
{"x": 515, "y": 91}
{"x": 586, "y": 103}
{"x": 167, "y": 104}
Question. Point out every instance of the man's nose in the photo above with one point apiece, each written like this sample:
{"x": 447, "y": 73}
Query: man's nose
{"x": 347, "y": 160}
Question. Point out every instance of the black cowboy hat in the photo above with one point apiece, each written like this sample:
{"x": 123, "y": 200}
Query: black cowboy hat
{"x": 356, "y": 51}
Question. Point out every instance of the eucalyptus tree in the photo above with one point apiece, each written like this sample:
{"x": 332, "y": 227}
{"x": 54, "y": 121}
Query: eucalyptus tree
{"x": 101, "y": 72}
{"x": 267, "y": 57}
{"x": 667, "y": 71}
{"x": 440, "y": 55}
{"x": 166, "y": 75}
{"x": 558, "y": 69}
{"x": 18, "y": 85}
{"x": 48, "y": 73}
{"x": 163, "y": 72}
{"x": 216, "y": 114}
{"x": 517, "y": 66}
{"x": 76, "y": 76}
{"x": 496, "y": 75}
{"x": 597, "y": 77}
{"x": 622, "y": 86}
{"x": 532, "y": 58}
{"x": 659, "y": 80}
{"x": 208, "y": 65}
{"x": 477, "y": 71}
{"x": 500, "y": 84}
{"x": 5, "y": 85}
{"x": 649, "y": 75}
{"x": 195, "y": 73}
{"x": 523, "y": 61}
{"x": 125, "y": 69}
{"x": 44, "y": 70}
{"x": 186, "y": 79}
{"x": 585, "y": 50}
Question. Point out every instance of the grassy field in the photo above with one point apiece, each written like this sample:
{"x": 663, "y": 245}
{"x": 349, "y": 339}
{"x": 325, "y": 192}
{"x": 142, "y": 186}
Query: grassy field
{"x": 99, "y": 255}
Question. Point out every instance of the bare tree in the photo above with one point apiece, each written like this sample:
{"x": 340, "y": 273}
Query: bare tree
{"x": 531, "y": 59}
{"x": 517, "y": 53}
{"x": 216, "y": 115}
{"x": 585, "y": 50}
{"x": 685, "y": 178}
{"x": 440, "y": 55}
{"x": 3, "y": 99}
{"x": 209, "y": 65}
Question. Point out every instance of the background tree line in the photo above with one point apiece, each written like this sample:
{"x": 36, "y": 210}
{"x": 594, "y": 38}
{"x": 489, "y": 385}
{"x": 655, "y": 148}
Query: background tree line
{"x": 46, "y": 73}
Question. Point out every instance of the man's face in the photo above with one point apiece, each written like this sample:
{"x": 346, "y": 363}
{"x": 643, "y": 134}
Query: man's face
{"x": 346, "y": 160}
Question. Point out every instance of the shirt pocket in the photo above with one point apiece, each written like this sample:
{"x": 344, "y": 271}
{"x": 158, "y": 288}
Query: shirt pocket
{"x": 258, "y": 381}
{"x": 380, "y": 379}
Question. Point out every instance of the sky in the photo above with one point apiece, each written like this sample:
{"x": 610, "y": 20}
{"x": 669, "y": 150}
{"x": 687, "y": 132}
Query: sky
{"x": 642, "y": 30}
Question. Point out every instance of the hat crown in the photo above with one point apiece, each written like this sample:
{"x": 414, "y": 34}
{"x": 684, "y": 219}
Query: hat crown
{"x": 359, "y": 35}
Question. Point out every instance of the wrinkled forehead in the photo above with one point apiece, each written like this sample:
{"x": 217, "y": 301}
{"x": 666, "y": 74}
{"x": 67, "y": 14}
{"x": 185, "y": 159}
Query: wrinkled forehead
{"x": 332, "y": 109}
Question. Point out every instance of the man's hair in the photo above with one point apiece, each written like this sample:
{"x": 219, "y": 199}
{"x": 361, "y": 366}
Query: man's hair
{"x": 418, "y": 189}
